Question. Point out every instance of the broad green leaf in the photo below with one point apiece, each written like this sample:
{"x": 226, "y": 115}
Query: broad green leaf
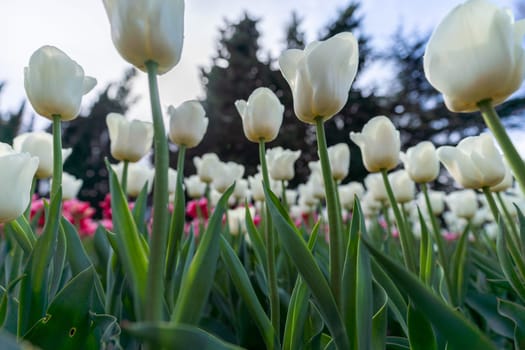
{"x": 459, "y": 332}
{"x": 516, "y": 313}
{"x": 33, "y": 296}
{"x": 68, "y": 323}
{"x": 169, "y": 336}
{"x": 426, "y": 252}
{"x": 397, "y": 343}
{"x": 487, "y": 306}
{"x": 243, "y": 286}
{"x": 198, "y": 280}
{"x": 296, "y": 247}
{"x": 298, "y": 307}
{"x": 129, "y": 246}
{"x": 139, "y": 210}
{"x": 21, "y": 236}
{"x": 457, "y": 269}
{"x": 59, "y": 261}
{"x": 420, "y": 333}
{"x": 380, "y": 318}
{"x": 256, "y": 239}
{"x": 507, "y": 266}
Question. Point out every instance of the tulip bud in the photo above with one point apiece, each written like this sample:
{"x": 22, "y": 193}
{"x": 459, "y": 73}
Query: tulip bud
{"x": 241, "y": 191}
{"x": 146, "y": 30}
{"x": 70, "y": 186}
{"x": 172, "y": 181}
{"x": 130, "y": 139}
{"x": 138, "y": 176}
{"x": 39, "y": 144}
{"x": 421, "y": 162}
{"x": 281, "y": 163}
{"x": 320, "y": 76}
{"x": 379, "y": 143}
{"x": 474, "y": 163}
{"x": 403, "y": 187}
{"x": 225, "y": 174}
{"x": 339, "y": 160}
{"x": 262, "y": 115}
{"x": 306, "y": 195}
{"x": 437, "y": 201}
{"x": 206, "y": 166}
{"x": 194, "y": 186}
{"x": 476, "y": 54}
{"x": 463, "y": 204}
{"x": 376, "y": 188}
{"x": 188, "y": 123}
{"x": 348, "y": 192}
{"x": 18, "y": 170}
{"x": 55, "y": 84}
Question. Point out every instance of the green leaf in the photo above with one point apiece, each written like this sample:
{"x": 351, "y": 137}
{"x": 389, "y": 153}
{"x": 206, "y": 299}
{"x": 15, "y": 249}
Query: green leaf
{"x": 506, "y": 264}
{"x": 397, "y": 343}
{"x": 139, "y": 210}
{"x": 380, "y": 318}
{"x": 457, "y": 269}
{"x": 426, "y": 258}
{"x": 169, "y": 336}
{"x": 459, "y": 332}
{"x": 33, "y": 297}
{"x": 256, "y": 239}
{"x": 516, "y": 313}
{"x": 68, "y": 323}
{"x": 21, "y": 234}
{"x": 298, "y": 307}
{"x": 243, "y": 286}
{"x": 420, "y": 333}
{"x": 487, "y": 306}
{"x": 198, "y": 280}
{"x": 129, "y": 245}
{"x": 59, "y": 261}
{"x": 295, "y": 246}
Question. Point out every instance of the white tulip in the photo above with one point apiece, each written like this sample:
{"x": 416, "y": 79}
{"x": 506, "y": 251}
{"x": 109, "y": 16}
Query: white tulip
{"x": 379, "y": 143}
{"x": 138, "y": 175}
{"x": 437, "y": 201}
{"x": 376, "y": 188}
{"x": 188, "y": 123}
{"x": 421, "y": 162}
{"x": 463, "y": 204}
{"x": 339, "y": 156}
{"x": 206, "y": 166}
{"x": 474, "y": 163}
{"x": 55, "y": 84}
{"x": 225, "y": 174}
{"x": 70, "y": 186}
{"x": 18, "y": 170}
{"x": 147, "y": 30}
{"x": 348, "y": 192}
{"x": 194, "y": 186}
{"x": 403, "y": 187}
{"x": 39, "y": 144}
{"x": 262, "y": 115}
{"x": 281, "y": 163}
{"x": 476, "y": 54}
{"x": 320, "y": 76}
{"x": 506, "y": 183}
{"x": 130, "y": 139}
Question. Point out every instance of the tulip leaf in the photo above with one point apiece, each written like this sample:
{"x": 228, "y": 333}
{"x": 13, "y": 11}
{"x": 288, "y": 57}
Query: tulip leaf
{"x": 298, "y": 306}
{"x": 59, "y": 261}
{"x": 305, "y": 263}
{"x": 169, "y": 336}
{"x": 397, "y": 343}
{"x": 420, "y": 333}
{"x": 129, "y": 246}
{"x": 198, "y": 279}
{"x": 458, "y": 332}
{"x": 457, "y": 269}
{"x": 379, "y": 319}
{"x": 68, "y": 323}
{"x": 516, "y": 313}
{"x": 34, "y": 288}
{"x": 139, "y": 210}
{"x": 487, "y": 306}
{"x": 256, "y": 239}
{"x": 20, "y": 235}
{"x": 242, "y": 284}
{"x": 506, "y": 264}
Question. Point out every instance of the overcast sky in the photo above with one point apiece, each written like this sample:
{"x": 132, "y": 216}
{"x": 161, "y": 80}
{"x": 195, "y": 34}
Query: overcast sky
{"x": 81, "y": 29}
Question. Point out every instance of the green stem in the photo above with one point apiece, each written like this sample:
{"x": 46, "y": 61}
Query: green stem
{"x": 27, "y": 213}
{"x": 492, "y": 203}
{"x": 159, "y": 235}
{"x": 124, "y": 181}
{"x": 404, "y": 234}
{"x": 491, "y": 118}
{"x": 283, "y": 190}
{"x": 270, "y": 247}
{"x": 509, "y": 219}
{"x": 57, "y": 156}
{"x": 177, "y": 219}
{"x": 334, "y": 214}
{"x": 435, "y": 228}
{"x": 384, "y": 209}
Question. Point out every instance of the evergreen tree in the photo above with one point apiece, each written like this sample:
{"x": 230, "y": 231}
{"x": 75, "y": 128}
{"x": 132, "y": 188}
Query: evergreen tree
{"x": 10, "y": 122}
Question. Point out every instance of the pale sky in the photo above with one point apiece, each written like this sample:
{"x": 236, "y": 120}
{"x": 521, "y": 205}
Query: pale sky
{"x": 81, "y": 29}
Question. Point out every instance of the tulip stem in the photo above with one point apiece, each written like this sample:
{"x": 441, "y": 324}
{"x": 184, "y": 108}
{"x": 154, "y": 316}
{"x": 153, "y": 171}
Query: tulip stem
{"x": 508, "y": 217}
{"x": 159, "y": 235}
{"x": 283, "y": 189}
{"x": 124, "y": 183}
{"x": 57, "y": 156}
{"x": 404, "y": 234}
{"x": 491, "y": 118}
{"x": 334, "y": 214}
{"x": 270, "y": 248}
{"x": 177, "y": 221}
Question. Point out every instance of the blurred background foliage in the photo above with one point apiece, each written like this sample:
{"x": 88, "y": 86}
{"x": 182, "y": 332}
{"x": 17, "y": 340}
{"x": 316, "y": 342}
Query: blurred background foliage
{"x": 240, "y": 65}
